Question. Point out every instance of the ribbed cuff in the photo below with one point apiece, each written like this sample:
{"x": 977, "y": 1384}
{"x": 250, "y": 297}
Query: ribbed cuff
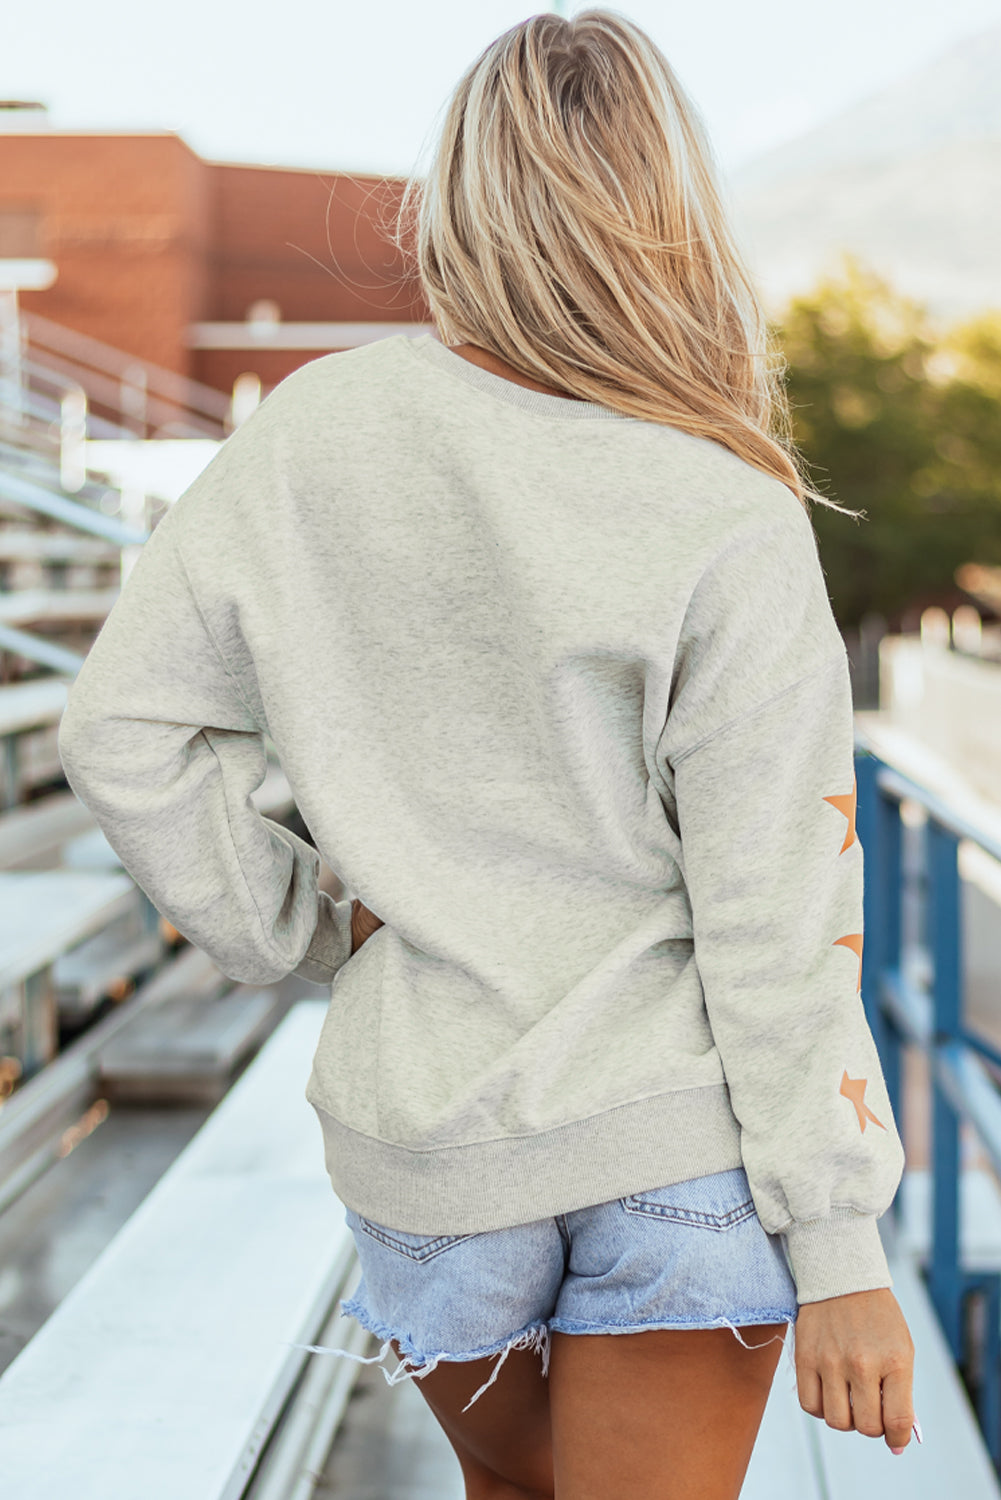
{"x": 330, "y": 946}
{"x": 833, "y": 1256}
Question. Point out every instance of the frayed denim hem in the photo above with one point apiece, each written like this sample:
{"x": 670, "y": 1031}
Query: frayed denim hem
{"x": 533, "y": 1336}
{"x": 572, "y": 1326}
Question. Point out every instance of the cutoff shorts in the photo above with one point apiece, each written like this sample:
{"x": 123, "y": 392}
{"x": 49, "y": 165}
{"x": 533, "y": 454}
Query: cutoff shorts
{"x": 691, "y": 1255}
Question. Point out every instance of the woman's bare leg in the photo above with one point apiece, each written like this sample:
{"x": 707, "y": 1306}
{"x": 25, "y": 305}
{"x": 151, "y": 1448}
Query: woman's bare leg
{"x": 666, "y": 1414}
{"x": 503, "y": 1441}
{"x": 663, "y": 1414}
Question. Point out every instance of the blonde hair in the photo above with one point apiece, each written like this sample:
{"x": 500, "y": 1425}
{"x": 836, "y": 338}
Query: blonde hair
{"x": 571, "y": 223}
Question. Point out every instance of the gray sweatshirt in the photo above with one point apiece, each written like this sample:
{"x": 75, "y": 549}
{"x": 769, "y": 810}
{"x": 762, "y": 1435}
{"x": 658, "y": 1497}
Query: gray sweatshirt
{"x": 560, "y": 696}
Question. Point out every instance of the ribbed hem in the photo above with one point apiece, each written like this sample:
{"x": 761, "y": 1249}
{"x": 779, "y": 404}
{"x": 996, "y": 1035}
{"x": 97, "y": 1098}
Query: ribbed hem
{"x": 515, "y": 1180}
{"x": 833, "y": 1256}
{"x": 330, "y": 946}
{"x": 564, "y": 407}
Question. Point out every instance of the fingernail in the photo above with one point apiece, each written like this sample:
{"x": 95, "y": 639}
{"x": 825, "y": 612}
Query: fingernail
{"x": 916, "y": 1429}
{"x": 896, "y": 1450}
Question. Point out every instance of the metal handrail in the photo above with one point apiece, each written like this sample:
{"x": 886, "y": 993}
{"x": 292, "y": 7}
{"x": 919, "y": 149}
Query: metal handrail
{"x": 47, "y": 408}
{"x": 88, "y": 351}
{"x": 904, "y": 1012}
{"x": 899, "y": 785}
{"x": 44, "y": 411}
{"x": 40, "y": 649}
{"x": 160, "y": 412}
{"x": 70, "y": 512}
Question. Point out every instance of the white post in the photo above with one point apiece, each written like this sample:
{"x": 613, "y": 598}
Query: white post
{"x": 17, "y": 273}
{"x": 967, "y": 629}
{"x": 246, "y": 398}
{"x": 73, "y": 440}
{"x": 936, "y": 627}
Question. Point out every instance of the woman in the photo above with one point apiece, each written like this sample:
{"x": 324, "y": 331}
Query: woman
{"x": 534, "y": 616}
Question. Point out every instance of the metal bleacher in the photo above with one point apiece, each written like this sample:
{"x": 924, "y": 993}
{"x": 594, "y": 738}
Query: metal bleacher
{"x": 106, "y": 1014}
{"x": 185, "y": 1325}
{"x": 170, "y": 1363}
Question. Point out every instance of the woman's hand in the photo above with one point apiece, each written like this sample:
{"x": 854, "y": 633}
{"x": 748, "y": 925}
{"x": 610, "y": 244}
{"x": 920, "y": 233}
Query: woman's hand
{"x": 857, "y": 1344}
{"x": 363, "y": 924}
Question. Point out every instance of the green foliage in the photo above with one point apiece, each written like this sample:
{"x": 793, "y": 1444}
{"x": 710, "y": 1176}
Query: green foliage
{"x": 903, "y": 424}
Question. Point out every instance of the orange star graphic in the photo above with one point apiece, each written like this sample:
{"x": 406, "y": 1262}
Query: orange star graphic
{"x": 854, "y": 1089}
{"x": 852, "y": 940}
{"x": 845, "y": 803}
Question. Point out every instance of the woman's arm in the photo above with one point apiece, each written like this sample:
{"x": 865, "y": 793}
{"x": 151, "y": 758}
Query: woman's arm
{"x": 758, "y": 748}
{"x": 157, "y": 739}
{"x": 773, "y": 867}
{"x": 766, "y": 810}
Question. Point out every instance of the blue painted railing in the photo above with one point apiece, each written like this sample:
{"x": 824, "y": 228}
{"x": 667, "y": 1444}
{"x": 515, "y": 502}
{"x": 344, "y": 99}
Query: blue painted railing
{"x": 902, "y": 1011}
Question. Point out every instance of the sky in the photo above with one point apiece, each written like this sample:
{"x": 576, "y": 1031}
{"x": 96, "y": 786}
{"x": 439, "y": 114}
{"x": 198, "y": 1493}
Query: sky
{"x": 362, "y": 87}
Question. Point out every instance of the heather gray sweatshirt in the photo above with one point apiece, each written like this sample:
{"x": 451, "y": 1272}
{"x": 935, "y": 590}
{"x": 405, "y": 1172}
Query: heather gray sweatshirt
{"x": 561, "y": 698}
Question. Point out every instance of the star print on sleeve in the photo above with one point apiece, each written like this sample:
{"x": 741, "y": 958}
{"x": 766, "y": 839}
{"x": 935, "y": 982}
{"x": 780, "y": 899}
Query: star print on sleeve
{"x": 854, "y": 1089}
{"x": 852, "y": 940}
{"x": 845, "y": 803}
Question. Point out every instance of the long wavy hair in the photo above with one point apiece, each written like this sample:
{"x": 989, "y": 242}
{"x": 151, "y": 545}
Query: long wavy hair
{"x": 571, "y": 222}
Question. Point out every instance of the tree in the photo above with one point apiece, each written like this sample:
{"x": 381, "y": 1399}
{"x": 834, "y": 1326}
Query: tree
{"x": 904, "y": 424}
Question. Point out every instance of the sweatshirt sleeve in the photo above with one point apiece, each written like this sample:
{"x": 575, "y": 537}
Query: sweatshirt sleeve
{"x": 158, "y": 741}
{"x": 761, "y": 750}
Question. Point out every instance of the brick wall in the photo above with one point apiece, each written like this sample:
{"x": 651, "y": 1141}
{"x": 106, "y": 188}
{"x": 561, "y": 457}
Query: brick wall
{"x": 148, "y": 238}
{"x": 316, "y": 243}
{"x": 269, "y": 238}
{"x": 124, "y": 218}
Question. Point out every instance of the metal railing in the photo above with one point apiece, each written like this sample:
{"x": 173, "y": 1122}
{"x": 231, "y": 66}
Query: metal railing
{"x": 138, "y": 398}
{"x": 904, "y": 1008}
{"x": 45, "y": 419}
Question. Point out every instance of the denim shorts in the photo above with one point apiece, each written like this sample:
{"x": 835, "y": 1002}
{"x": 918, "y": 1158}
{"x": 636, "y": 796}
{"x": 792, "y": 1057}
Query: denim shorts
{"x": 691, "y": 1255}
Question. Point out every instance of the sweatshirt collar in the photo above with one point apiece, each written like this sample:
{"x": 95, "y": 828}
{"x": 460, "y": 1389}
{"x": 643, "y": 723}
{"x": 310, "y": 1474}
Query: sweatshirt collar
{"x": 425, "y": 346}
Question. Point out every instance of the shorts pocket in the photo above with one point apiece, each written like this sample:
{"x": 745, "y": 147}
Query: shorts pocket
{"x": 414, "y": 1246}
{"x": 718, "y": 1201}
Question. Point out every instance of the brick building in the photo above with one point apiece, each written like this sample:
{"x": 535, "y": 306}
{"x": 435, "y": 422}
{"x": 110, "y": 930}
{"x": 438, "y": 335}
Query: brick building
{"x": 210, "y": 269}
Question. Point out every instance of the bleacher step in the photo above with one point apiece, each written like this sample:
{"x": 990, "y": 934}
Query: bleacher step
{"x": 40, "y": 829}
{"x": 90, "y": 851}
{"x": 979, "y": 1217}
{"x": 44, "y": 913}
{"x": 101, "y": 966}
{"x": 165, "y": 1367}
{"x": 187, "y": 1048}
{"x": 54, "y": 606}
{"x": 29, "y": 705}
{"x": 19, "y": 545}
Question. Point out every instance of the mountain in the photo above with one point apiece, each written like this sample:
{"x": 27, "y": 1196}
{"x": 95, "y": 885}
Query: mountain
{"x": 909, "y": 180}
